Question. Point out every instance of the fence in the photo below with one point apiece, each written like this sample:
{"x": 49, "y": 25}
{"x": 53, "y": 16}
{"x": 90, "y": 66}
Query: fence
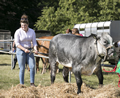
{"x": 4, "y": 35}
{"x": 13, "y": 53}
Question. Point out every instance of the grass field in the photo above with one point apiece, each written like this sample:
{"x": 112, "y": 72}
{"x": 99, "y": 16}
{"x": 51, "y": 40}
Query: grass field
{"x": 9, "y": 78}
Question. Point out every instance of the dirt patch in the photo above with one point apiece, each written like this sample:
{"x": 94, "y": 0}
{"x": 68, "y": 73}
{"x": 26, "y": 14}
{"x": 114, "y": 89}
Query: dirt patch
{"x": 61, "y": 90}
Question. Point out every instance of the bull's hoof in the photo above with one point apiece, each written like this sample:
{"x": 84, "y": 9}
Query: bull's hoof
{"x": 52, "y": 83}
{"x": 78, "y": 91}
{"x": 100, "y": 85}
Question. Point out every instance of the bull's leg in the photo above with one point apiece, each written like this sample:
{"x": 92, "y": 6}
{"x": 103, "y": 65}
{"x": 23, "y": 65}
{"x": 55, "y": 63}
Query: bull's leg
{"x": 57, "y": 67}
{"x": 65, "y": 73}
{"x": 100, "y": 76}
{"x": 78, "y": 79}
{"x": 53, "y": 71}
{"x": 37, "y": 63}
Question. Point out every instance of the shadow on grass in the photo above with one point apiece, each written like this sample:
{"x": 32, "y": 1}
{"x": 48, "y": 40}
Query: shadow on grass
{"x": 109, "y": 73}
{"x": 4, "y": 64}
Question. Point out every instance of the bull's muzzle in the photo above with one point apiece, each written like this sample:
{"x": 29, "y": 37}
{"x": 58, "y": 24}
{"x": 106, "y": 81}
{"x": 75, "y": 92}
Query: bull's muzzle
{"x": 110, "y": 52}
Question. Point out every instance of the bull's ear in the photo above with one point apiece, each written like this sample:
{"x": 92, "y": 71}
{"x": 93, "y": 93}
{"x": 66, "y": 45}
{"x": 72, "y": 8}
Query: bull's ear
{"x": 94, "y": 35}
{"x": 98, "y": 37}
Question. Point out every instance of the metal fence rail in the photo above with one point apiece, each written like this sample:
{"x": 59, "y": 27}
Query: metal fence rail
{"x": 13, "y": 53}
{"x": 11, "y": 40}
{"x": 7, "y": 52}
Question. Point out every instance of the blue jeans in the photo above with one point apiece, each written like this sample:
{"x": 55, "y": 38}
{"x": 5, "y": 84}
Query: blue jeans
{"x": 22, "y": 58}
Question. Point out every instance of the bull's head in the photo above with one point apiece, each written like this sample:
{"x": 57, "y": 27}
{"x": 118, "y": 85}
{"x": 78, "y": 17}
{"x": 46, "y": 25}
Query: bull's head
{"x": 105, "y": 45}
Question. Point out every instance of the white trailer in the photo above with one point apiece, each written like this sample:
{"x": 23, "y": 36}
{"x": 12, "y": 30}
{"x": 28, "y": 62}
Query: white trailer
{"x": 111, "y": 27}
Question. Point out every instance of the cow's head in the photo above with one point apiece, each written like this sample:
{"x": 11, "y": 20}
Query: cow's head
{"x": 105, "y": 45}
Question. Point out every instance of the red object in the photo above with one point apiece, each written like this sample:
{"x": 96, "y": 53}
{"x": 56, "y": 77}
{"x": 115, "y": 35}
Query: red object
{"x": 111, "y": 70}
{"x": 117, "y": 73}
{"x": 81, "y": 35}
{"x": 119, "y": 80}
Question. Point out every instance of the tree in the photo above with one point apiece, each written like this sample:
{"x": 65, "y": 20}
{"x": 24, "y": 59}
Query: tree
{"x": 70, "y": 12}
{"x": 110, "y": 10}
{"x": 90, "y": 11}
{"x": 58, "y": 21}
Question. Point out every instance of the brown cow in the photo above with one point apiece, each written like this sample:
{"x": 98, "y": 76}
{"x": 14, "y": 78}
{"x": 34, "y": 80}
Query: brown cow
{"x": 43, "y": 47}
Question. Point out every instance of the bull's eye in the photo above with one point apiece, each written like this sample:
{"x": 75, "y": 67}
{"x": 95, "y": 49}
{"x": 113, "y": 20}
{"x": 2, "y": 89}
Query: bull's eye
{"x": 105, "y": 42}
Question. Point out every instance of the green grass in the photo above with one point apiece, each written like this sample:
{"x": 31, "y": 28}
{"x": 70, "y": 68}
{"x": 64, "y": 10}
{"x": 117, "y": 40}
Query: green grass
{"x": 9, "y": 78}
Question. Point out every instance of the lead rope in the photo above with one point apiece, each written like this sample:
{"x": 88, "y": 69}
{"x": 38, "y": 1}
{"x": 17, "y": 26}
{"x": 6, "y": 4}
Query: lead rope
{"x": 111, "y": 70}
{"x": 105, "y": 50}
{"x": 119, "y": 80}
{"x": 114, "y": 70}
{"x": 104, "y": 59}
{"x": 117, "y": 70}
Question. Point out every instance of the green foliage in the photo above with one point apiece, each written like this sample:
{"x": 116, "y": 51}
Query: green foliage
{"x": 12, "y": 10}
{"x": 70, "y": 12}
{"x": 56, "y": 15}
{"x": 58, "y": 21}
{"x": 109, "y": 10}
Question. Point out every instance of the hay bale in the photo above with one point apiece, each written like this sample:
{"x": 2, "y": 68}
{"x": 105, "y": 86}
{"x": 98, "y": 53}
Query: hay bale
{"x": 61, "y": 90}
{"x": 107, "y": 91}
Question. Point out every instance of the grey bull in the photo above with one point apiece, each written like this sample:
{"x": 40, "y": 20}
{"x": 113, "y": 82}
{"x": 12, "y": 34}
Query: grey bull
{"x": 82, "y": 54}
